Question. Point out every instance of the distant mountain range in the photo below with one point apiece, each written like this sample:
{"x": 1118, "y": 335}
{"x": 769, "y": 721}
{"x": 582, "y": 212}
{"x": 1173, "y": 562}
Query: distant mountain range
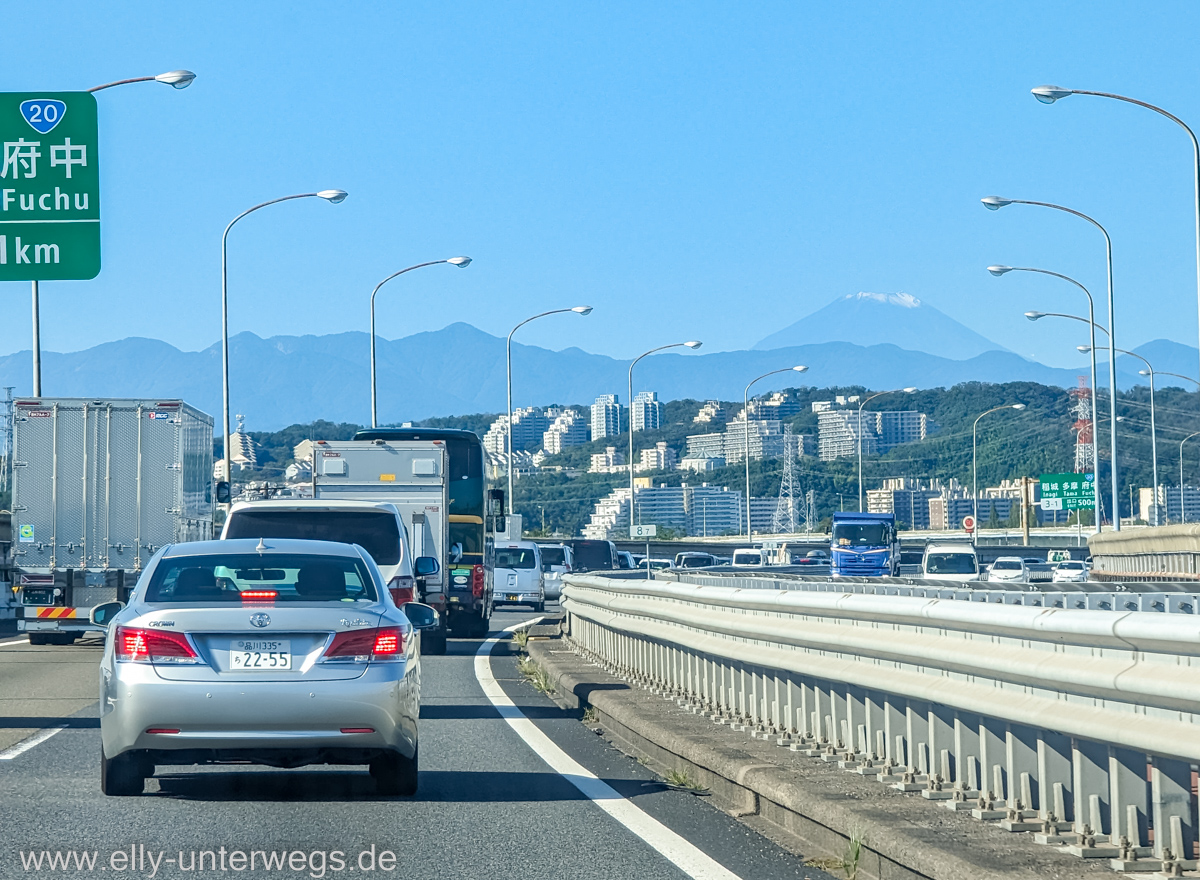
{"x": 882, "y": 319}
{"x": 460, "y": 369}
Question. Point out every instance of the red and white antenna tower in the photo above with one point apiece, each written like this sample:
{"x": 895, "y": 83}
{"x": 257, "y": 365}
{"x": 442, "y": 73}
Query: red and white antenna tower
{"x": 1081, "y": 408}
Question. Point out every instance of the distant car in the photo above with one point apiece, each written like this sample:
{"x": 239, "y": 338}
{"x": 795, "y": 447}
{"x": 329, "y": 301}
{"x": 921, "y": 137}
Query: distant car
{"x": 694, "y": 559}
{"x": 812, "y": 557}
{"x": 592, "y": 555}
{"x": 654, "y": 564}
{"x": 1010, "y": 569}
{"x": 625, "y": 560}
{"x": 747, "y": 558}
{"x": 518, "y": 575}
{"x": 265, "y": 651}
{"x": 1033, "y": 560}
{"x": 556, "y": 562}
{"x": 949, "y": 562}
{"x": 1070, "y": 571}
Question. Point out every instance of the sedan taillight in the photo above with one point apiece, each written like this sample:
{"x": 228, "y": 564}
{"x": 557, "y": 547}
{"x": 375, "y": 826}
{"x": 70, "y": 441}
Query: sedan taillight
{"x": 154, "y": 646}
{"x": 366, "y": 645}
{"x": 401, "y": 588}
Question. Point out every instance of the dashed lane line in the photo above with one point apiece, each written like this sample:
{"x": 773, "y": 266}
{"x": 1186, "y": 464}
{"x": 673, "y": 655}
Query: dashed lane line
{"x": 30, "y": 742}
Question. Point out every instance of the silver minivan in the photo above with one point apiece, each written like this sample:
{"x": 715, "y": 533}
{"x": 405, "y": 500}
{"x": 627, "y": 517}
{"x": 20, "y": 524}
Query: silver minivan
{"x": 518, "y": 575}
{"x": 556, "y": 562}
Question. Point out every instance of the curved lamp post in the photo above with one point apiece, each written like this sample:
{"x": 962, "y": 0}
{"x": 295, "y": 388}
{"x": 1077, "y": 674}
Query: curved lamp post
{"x": 180, "y": 79}
{"x": 909, "y": 390}
{"x": 746, "y": 433}
{"x": 995, "y": 203}
{"x": 1149, "y": 371}
{"x": 692, "y": 344}
{"x": 333, "y": 196}
{"x": 579, "y": 310}
{"x": 1179, "y": 376}
{"x": 975, "y": 456}
{"x": 1000, "y": 271}
{"x": 461, "y": 262}
{"x": 1050, "y": 94}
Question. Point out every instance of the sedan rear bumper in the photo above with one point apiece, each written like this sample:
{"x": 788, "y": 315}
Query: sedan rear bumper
{"x": 378, "y": 711}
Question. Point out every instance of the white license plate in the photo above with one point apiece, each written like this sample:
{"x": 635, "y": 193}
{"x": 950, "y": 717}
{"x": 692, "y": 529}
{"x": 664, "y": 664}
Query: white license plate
{"x": 260, "y": 655}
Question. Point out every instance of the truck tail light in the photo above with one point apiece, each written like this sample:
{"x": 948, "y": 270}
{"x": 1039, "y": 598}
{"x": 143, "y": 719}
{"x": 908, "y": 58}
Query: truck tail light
{"x": 401, "y": 588}
{"x": 477, "y": 581}
{"x": 154, "y": 646}
{"x": 366, "y": 645}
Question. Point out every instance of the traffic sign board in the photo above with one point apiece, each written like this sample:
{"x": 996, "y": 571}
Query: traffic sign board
{"x": 49, "y": 186}
{"x": 1067, "y": 492}
{"x": 969, "y": 523}
{"x": 643, "y": 531}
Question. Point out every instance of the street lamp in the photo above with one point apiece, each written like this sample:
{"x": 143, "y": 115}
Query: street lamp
{"x": 975, "y": 456}
{"x": 1179, "y": 376}
{"x": 180, "y": 79}
{"x": 1050, "y": 94}
{"x": 461, "y": 262}
{"x": 692, "y": 344}
{"x": 579, "y": 310}
{"x": 999, "y": 271}
{"x": 746, "y": 433}
{"x": 995, "y": 203}
{"x": 860, "y": 435}
{"x": 333, "y": 196}
{"x": 1149, "y": 371}
{"x": 1182, "y": 510}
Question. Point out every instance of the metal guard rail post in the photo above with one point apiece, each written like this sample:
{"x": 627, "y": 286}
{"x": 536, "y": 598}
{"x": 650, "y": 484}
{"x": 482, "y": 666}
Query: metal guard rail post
{"x": 1045, "y": 719}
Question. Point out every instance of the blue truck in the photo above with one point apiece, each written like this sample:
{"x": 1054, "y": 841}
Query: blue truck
{"x": 864, "y": 545}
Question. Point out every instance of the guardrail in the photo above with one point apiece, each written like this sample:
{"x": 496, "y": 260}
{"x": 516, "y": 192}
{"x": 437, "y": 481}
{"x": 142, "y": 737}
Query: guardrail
{"x": 1079, "y": 725}
{"x": 1083, "y": 596}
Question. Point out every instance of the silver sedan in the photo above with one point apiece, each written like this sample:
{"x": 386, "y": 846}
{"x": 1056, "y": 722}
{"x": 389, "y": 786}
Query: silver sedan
{"x": 276, "y": 652}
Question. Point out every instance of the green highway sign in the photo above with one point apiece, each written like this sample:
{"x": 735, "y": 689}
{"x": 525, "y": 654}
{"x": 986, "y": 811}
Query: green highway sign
{"x": 1067, "y": 492}
{"x": 49, "y": 187}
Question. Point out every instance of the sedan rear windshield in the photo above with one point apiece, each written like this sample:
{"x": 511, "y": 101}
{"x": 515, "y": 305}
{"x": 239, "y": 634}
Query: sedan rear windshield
{"x": 1006, "y": 565}
{"x": 515, "y": 558}
{"x": 375, "y": 532}
{"x": 254, "y": 577}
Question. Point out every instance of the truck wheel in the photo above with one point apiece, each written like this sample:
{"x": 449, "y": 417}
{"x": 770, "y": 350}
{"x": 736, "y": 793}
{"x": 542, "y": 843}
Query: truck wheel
{"x": 479, "y": 626}
{"x": 121, "y": 776}
{"x": 395, "y": 774}
{"x": 539, "y": 607}
{"x": 62, "y": 639}
{"x": 39, "y": 639}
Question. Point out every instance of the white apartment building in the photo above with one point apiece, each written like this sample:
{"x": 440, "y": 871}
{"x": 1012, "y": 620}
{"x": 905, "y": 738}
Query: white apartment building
{"x": 704, "y": 511}
{"x": 660, "y": 458}
{"x": 569, "y": 428}
{"x": 607, "y": 462}
{"x": 908, "y": 499}
{"x": 646, "y": 412}
{"x": 701, "y": 465}
{"x": 1168, "y": 504}
{"x": 706, "y": 446}
{"x": 779, "y": 405}
{"x": 606, "y": 416}
{"x": 838, "y": 431}
{"x": 711, "y": 412}
{"x": 765, "y": 437}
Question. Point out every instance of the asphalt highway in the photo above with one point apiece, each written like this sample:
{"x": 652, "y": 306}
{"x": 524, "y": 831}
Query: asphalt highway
{"x": 488, "y": 807}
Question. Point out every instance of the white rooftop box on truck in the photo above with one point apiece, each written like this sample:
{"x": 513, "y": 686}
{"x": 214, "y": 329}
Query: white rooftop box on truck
{"x": 411, "y": 474}
{"x": 99, "y": 485}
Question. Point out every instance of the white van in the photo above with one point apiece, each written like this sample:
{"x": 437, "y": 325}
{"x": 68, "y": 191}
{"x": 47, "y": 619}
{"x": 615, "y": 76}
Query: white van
{"x": 950, "y": 562}
{"x": 747, "y": 558}
{"x": 518, "y": 575}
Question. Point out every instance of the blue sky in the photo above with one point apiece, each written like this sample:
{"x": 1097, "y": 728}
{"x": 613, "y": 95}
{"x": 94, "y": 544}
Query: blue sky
{"x": 692, "y": 170}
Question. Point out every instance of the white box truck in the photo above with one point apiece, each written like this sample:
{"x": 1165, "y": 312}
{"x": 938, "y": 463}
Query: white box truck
{"x": 98, "y": 487}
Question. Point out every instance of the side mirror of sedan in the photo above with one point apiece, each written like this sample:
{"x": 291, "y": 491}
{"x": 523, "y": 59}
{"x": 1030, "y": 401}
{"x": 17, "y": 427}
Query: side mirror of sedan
{"x": 102, "y": 614}
{"x": 425, "y": 566}
{"x": 421, "y": 616}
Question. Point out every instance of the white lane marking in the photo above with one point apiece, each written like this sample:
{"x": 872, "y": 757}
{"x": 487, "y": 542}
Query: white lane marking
{"x": 675, "y": 849}
{"x": 26, "y": 744}
{"x": 20, "y": 641}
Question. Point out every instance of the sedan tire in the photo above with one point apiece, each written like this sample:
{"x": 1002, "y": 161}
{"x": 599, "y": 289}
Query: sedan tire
{"x": 395, "y": 774}
{"x": 121, "y": 776}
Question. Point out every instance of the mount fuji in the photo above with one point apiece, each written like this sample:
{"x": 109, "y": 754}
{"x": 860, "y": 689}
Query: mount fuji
{"x": 884, "y": 319}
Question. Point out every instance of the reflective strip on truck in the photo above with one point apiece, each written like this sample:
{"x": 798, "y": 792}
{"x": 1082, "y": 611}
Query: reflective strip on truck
{"x": 56, "y": 613}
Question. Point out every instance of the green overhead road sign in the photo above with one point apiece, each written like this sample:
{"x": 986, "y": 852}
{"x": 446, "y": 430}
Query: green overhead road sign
{"x": 49, "y": 187}
{"x": 1067, "y": 492}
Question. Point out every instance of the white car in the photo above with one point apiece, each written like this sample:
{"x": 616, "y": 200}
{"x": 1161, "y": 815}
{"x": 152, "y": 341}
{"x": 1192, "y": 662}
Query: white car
{"x": 949, "y": 562}
{"x": 556, "y": 562}
{"x": 518, "y": 575}
{"x": 1070, "y": 571}
{"x": 1008, "y": 569}
{"x": 745, "y": 558}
